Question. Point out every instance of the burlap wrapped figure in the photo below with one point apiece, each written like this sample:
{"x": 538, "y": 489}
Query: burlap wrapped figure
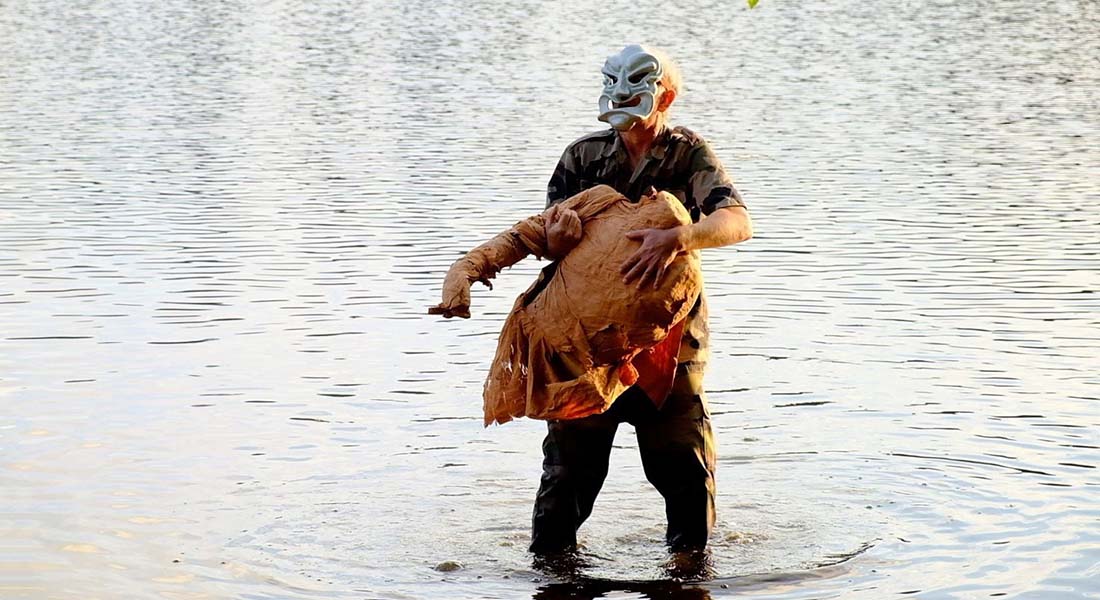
{"x": 579, "y": 336}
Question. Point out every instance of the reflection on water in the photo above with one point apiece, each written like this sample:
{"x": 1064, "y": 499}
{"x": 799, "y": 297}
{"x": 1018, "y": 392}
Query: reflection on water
{"x": 657, "y": 590}
{"x": 221, "y": 223}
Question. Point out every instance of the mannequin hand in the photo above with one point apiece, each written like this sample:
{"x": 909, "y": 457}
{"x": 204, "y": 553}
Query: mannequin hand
{"x": 456, "y": 296}
{"x": 563, "y": 231}
{"x": 458, "y": 305}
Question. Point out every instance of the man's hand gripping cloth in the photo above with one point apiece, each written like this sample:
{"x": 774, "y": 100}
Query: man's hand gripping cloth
{"x": 574, "y": 341}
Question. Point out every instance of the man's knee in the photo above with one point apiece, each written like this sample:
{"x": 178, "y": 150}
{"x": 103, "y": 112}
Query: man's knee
{"x": 676, "y": 469}
{"x": 678, "y": 454}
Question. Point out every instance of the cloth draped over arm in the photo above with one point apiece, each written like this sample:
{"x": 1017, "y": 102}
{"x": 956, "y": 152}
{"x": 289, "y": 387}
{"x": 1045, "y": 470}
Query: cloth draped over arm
{"x": 570, "y": 344}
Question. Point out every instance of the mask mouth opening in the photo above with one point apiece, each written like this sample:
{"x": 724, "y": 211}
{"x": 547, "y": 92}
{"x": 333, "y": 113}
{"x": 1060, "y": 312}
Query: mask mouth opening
{"x": 635, "y": 101}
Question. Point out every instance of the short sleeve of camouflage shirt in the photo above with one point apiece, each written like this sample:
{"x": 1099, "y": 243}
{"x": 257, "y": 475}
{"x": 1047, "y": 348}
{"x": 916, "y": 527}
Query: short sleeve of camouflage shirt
{"x": 711, "y": 188}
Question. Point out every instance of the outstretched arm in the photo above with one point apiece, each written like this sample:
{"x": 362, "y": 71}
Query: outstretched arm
{"x": 529, "y": 236}
{"x": 480, "y": 264}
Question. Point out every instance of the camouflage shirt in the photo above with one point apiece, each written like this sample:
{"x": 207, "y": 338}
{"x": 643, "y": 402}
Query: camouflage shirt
{"x": 679, "y": 162}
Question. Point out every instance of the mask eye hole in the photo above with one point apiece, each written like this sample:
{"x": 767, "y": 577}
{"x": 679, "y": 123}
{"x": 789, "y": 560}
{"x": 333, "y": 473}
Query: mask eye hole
{"x": 610, "y": 79}
{"x": 639, "y": 76}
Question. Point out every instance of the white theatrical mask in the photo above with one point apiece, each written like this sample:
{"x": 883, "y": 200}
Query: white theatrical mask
{"x": 629, "y": 87}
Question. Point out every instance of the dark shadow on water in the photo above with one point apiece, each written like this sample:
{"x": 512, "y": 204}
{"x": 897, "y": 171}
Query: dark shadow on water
{"x": 654, "y": 590}
{"x": 691, "y": 577}
{"x": 689, "y": 566}
{"x": 682, "y": 568}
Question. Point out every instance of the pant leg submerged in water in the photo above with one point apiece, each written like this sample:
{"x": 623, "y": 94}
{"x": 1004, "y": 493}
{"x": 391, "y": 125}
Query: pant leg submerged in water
{"x": 679, "y": 459}
{"x": 575, "y": 462}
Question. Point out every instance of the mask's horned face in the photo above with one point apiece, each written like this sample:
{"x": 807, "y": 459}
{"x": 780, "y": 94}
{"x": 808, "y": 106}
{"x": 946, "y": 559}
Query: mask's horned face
{"x": 629, "y": 87}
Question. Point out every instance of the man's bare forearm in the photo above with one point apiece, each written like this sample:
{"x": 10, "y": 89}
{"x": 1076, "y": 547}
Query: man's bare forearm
{"x": 723, "y": 227}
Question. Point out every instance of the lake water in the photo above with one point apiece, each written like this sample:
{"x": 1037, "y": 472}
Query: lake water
{"x": 221, "y": 224}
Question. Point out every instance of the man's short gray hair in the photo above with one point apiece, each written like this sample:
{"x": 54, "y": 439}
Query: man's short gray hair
{"x": 671, "y": 78}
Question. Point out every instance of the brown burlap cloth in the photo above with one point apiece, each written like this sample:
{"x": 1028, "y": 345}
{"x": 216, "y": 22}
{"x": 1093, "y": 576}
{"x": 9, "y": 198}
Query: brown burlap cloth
{"x": 579, "y": 337}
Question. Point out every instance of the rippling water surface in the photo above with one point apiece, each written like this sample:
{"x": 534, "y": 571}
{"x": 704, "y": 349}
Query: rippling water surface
{"x": 220, "y": 225}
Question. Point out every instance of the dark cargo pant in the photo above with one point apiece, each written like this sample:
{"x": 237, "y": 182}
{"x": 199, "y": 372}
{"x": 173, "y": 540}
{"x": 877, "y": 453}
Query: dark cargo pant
{"x": 678, "y": 456}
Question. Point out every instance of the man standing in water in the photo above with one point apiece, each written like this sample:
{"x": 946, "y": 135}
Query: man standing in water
{"x": 642, "y": 152}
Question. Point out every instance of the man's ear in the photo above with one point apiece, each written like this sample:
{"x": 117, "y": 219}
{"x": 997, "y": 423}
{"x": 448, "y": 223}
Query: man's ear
{"x": 666, "y": 99}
